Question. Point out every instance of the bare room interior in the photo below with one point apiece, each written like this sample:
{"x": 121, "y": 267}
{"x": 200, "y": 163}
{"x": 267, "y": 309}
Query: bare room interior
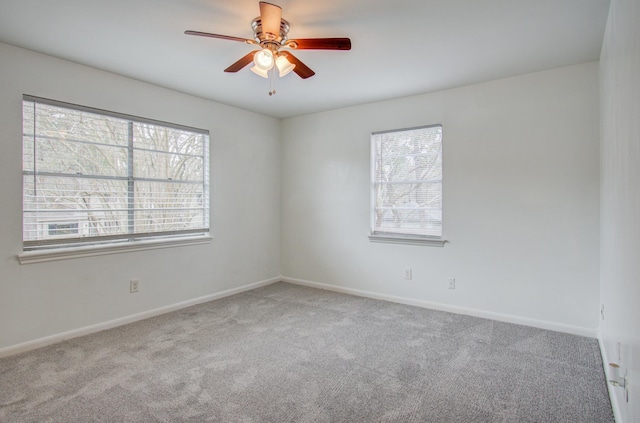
{"x": 297, "y": 277}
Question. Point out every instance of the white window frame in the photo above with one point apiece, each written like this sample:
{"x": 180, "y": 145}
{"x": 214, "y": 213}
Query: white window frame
{"x": 400, "y": 237}
{"x": 62, "y": 247}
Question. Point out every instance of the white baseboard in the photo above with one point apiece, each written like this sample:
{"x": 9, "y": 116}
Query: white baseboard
{"x": 59, "y": 337}
{"x": 542, "y": 324}
{"x": 615, "y": 405}
{"x": 48, "y": 340}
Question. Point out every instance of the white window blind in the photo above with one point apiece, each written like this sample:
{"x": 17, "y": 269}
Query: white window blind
{"x": 406, "y": 171}
{"x": 92, "y": 176}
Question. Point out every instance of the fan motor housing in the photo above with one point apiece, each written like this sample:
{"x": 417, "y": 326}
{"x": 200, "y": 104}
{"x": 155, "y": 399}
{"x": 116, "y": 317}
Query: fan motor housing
{"x": 268, "y": 40}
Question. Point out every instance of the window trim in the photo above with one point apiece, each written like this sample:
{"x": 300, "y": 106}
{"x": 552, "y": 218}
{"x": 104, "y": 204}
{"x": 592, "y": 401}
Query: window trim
{"x": 64, "y": 253}
{"x": 47, "y": 250}
{"x": 412, "y": 240}
{"x": 399, "y": 238}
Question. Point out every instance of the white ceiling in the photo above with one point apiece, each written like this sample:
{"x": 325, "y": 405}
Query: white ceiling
{"x": 400, "y": 47}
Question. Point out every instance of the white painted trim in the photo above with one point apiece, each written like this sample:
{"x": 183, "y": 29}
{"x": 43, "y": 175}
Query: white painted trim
{"x": 615, "y": 405}
{"x": 39, "y": 256}
{"x": 48, "y": 340}
{"x": 542, "y": 324}
{"x": 400, "y": 239}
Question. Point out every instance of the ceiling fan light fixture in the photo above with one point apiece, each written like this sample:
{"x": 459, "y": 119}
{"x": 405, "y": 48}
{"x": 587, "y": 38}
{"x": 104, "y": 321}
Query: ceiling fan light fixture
{"x": 270, "y": 33}
{"x": 264, "y": 59}
{"x": 284, "y": 66}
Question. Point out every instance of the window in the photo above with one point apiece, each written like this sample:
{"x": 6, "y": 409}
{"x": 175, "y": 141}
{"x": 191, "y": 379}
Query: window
{"x": 58, "y": 229}
{"x": 406, "y": 184}
{"x": 97, "y": 177}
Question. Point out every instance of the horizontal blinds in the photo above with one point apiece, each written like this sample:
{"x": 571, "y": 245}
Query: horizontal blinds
{"x": 92, "y": 177}
{"x": 109, "y": 113}
{"x": 407, "y": 182}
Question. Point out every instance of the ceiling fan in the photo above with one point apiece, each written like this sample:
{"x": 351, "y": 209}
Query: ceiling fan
{"x": 270, "y": 33}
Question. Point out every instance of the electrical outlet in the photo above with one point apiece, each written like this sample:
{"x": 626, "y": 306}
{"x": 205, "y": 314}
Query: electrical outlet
{"x": 408, "y": 274}
{"x": 134, "y": 286}
{"x": 602, "y": 311}
{"x": 452, "y": 283}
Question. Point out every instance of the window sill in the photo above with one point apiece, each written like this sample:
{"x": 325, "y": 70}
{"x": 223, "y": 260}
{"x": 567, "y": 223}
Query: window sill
{"x": 399, "y": 239}
{"x": 53, "y": 254}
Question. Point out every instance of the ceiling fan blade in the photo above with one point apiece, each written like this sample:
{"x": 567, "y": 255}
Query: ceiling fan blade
{"x": 301, "y": 69}
{"x": 270, "y": 15}
{"x": 244, "y": 61}
{"x": 320, "y": 44}
{"x": 222, "y": 37}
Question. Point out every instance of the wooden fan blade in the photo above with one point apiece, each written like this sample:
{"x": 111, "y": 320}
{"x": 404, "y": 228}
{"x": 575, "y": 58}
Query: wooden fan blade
{"x": 244, "y": 61}
{"x": 320, "y": 44}
{"x": 301, "y": 69}
{"x": 222, "y": 37}
{"x": 270, "y": 15}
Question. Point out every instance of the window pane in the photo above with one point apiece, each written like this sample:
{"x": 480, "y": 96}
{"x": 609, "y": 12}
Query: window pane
{"x": 70, "y": 157}
{"x": 153, "y": 137}
{"x": 63, "y": 123}
{"x": 168, "y": 206}
{"x": 167, "y": 166}
{"x": 407, "y": 182}
{"x": 97, "y": 206}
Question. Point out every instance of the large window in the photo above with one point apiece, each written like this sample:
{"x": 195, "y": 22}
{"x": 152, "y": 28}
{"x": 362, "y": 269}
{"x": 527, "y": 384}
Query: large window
{"x": 406, "y": 183}
{"x": 91, "y": 176}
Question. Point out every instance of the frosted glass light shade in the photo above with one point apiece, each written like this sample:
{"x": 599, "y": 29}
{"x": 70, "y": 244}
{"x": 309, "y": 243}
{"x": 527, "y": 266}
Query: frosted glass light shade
{"x": 264, "y": 59}
{"x": 259, "y": 71}
{"x": 284, "y": 66}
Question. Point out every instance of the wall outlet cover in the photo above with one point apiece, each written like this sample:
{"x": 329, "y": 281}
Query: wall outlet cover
{"x": 134, "y": 286}
{"x": 452, "y": 283}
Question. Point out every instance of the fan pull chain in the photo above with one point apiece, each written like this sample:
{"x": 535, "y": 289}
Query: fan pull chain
{"x": 272, "y": 81}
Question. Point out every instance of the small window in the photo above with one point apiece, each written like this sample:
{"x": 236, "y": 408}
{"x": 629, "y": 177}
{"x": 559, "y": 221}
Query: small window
{"x": 406, "y": 185}
{"x": 97, "y": 177}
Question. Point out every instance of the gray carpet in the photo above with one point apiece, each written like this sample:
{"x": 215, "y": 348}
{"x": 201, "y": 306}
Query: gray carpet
{"x": 285, "y": 353}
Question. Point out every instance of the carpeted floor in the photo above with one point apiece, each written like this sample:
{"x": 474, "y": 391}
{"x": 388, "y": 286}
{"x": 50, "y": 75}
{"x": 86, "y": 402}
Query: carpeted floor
{"x": 285, "y": 353}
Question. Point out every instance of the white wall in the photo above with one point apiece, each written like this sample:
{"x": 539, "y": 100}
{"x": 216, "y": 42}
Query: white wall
{"x": 521, "y": 200}
{"x": 620, "y": 203}
{"x": 40, "y": 300}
